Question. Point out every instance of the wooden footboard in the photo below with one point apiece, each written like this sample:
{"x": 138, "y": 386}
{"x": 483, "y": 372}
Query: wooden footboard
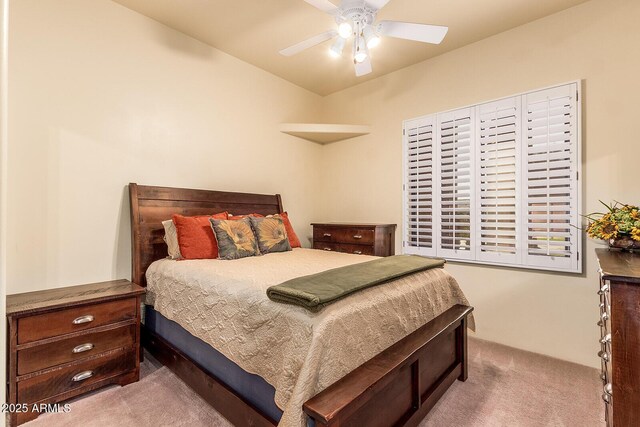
{"x": 401, "y": 384}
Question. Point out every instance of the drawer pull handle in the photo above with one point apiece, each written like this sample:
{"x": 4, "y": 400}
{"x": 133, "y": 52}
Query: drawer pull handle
{"x": 358, "y": 236}
{"x": 82, "y": 348}
{"x": 604, "y": 355}
{"x": 606, "y": 339}
{"x": 327, "y": 249}
{"x": 357, "y": 252}
{"x": 83, "y": 319}
{"x": 327, "y": 234}
{"x": 82, "y": 376}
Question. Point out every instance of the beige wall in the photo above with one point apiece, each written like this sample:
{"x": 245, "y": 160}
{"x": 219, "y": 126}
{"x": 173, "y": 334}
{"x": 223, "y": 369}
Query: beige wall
{"x": 4, "y": 32}
{"x": 596, "y": 42}
{"x": 102, "y": 96}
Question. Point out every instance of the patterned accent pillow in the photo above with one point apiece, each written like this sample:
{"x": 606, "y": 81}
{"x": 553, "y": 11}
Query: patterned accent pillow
{"x": 171, "y": 239}
{"x": 271, "y": 234}
{"x": 235, "y": 238}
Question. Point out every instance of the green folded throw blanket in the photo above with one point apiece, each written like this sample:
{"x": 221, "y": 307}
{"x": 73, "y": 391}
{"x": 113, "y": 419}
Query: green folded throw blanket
{"x": 315, "y": 291}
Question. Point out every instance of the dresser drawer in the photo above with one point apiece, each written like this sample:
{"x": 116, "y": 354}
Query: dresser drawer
{"x": 346, "y": 248}
{"x": 61, "y": 322}
{"x": 362, "y": 236}
{"x": 44, "y": 386}
{"x": 75, "y": 348}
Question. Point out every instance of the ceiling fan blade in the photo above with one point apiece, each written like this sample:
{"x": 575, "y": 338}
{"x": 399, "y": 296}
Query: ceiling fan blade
{"x": 310, "y": 42}
{"x": 323, "y": 5}
{"x": 376, "y": 4}
{"x": 363, "y": 67}
{"x": 418, "y": 32}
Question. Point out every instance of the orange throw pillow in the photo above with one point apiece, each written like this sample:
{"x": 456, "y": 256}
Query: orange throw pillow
{"x": 195, "y": 236}
{"x": 293, "y": 237}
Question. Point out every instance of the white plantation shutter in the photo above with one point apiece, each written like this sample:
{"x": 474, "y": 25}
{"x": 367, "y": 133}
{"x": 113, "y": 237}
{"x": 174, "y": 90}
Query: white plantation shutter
{"x": 497, "y": 182}
{"x": 419, "y": 137}
{"x": 455, "y": 190}
{"x": 550, "y": 185}
{"x": 497, "y": 223}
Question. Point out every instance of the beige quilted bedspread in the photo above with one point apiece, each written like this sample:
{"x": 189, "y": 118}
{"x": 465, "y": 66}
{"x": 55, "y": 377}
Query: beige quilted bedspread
{"x": 299, "y": 353}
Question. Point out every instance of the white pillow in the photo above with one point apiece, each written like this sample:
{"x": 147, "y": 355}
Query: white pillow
{"x": 171, "y": 239}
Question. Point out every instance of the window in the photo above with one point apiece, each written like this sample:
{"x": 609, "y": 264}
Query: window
{"x": 497, "y": 182}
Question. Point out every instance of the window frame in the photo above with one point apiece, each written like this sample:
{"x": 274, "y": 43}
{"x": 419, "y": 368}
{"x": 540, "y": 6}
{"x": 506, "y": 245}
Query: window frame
{"x": 574, "y": 263}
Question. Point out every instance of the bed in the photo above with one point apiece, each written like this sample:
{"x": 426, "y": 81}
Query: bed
{"x": 384, "y": 383}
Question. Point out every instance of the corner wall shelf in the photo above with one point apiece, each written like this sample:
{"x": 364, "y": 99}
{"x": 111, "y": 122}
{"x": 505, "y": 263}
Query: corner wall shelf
{"x": 324, "y": 133}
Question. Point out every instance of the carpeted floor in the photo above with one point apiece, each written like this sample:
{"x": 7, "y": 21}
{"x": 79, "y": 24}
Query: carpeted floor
{"x": 506, "y": 387}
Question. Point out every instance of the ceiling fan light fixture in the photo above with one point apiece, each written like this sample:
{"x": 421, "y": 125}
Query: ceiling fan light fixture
{"x": 371, "y": 38}
{"x": 360, "y": 51}
{"x": 337, "y": 47}
{"x": 345, "y": 29}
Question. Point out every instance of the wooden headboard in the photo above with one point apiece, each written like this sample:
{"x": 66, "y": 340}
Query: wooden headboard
{"x": 152, "y": 205}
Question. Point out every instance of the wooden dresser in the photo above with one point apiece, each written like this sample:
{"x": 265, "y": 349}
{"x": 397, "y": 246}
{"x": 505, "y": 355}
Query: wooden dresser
{"x": 361, "y": 239}
{"x": 619, "y": 291}
{"x": 68, "y": 341}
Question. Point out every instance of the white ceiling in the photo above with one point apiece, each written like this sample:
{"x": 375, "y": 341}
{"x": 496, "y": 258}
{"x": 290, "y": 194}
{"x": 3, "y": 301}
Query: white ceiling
{"x": 255, "y": 30}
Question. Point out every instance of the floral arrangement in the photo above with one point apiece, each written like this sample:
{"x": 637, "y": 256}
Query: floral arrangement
{"x": 620, "y": 222}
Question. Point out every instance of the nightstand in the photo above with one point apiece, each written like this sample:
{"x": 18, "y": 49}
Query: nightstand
{"x": 68, "y": 341}
{"x": 361, "y": 239}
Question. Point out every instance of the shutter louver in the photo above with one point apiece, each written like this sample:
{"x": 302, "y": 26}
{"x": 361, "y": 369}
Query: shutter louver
{"x": 498, "y": 133}
{"x": 419, "y": 173}
{"x": 550, "y": 183}
{"x": 455, "y": 195}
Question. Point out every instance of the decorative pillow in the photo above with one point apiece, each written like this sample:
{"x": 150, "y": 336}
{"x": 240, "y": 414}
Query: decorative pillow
{"x": 271, "y": 234}
{"x": 171, "y": 239}
{"x": 291, "y": 234}
{"x": 195, "y": 237}
{"x": 235, "y": 238}
{"x": 244, "y": 216}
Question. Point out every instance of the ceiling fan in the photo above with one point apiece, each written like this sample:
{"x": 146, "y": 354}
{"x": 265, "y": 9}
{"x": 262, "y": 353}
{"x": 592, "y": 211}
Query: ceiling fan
{"x": 356, "y": 18}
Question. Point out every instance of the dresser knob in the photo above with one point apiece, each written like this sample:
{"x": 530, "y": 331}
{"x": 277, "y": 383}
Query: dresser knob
{"x": 82, "y": 348}
{"x": 358, "y": 236}
{"x": 83, "y": 319}
{"x": 82, "y": 376}
{"x": 608, "y": 389}
{"x": 604, "y": 355}
{"x": 327, "y": 249}
{"x": 605, "y": 339}
{"x": 357, "y": 252}
{"x": 600, "y": 323}
{"x": 606, "y": 397}
{"x": 327, "y": 234}
{"x": 604, "y": 315}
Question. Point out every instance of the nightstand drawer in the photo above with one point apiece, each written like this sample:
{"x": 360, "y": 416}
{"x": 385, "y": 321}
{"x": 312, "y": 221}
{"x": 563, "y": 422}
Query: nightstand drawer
{"x": 67, "y": 350}
{"x": 346, "y": 248}
{"x": 74, "y": 319}
{"x": 73, "y": 377}
{"x": 363, "y": 236}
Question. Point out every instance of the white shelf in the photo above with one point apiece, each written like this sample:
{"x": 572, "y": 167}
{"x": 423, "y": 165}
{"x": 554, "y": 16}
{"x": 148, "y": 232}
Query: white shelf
{"x": 324, "y": 133}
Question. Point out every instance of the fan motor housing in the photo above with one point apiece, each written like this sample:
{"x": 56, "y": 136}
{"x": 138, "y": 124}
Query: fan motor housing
{"x": 356, "y": 11}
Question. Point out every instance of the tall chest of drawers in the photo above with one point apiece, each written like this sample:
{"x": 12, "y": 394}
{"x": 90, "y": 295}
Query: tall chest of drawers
{"x": 68, "y": 341}
{"x": 619, "y": 291}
